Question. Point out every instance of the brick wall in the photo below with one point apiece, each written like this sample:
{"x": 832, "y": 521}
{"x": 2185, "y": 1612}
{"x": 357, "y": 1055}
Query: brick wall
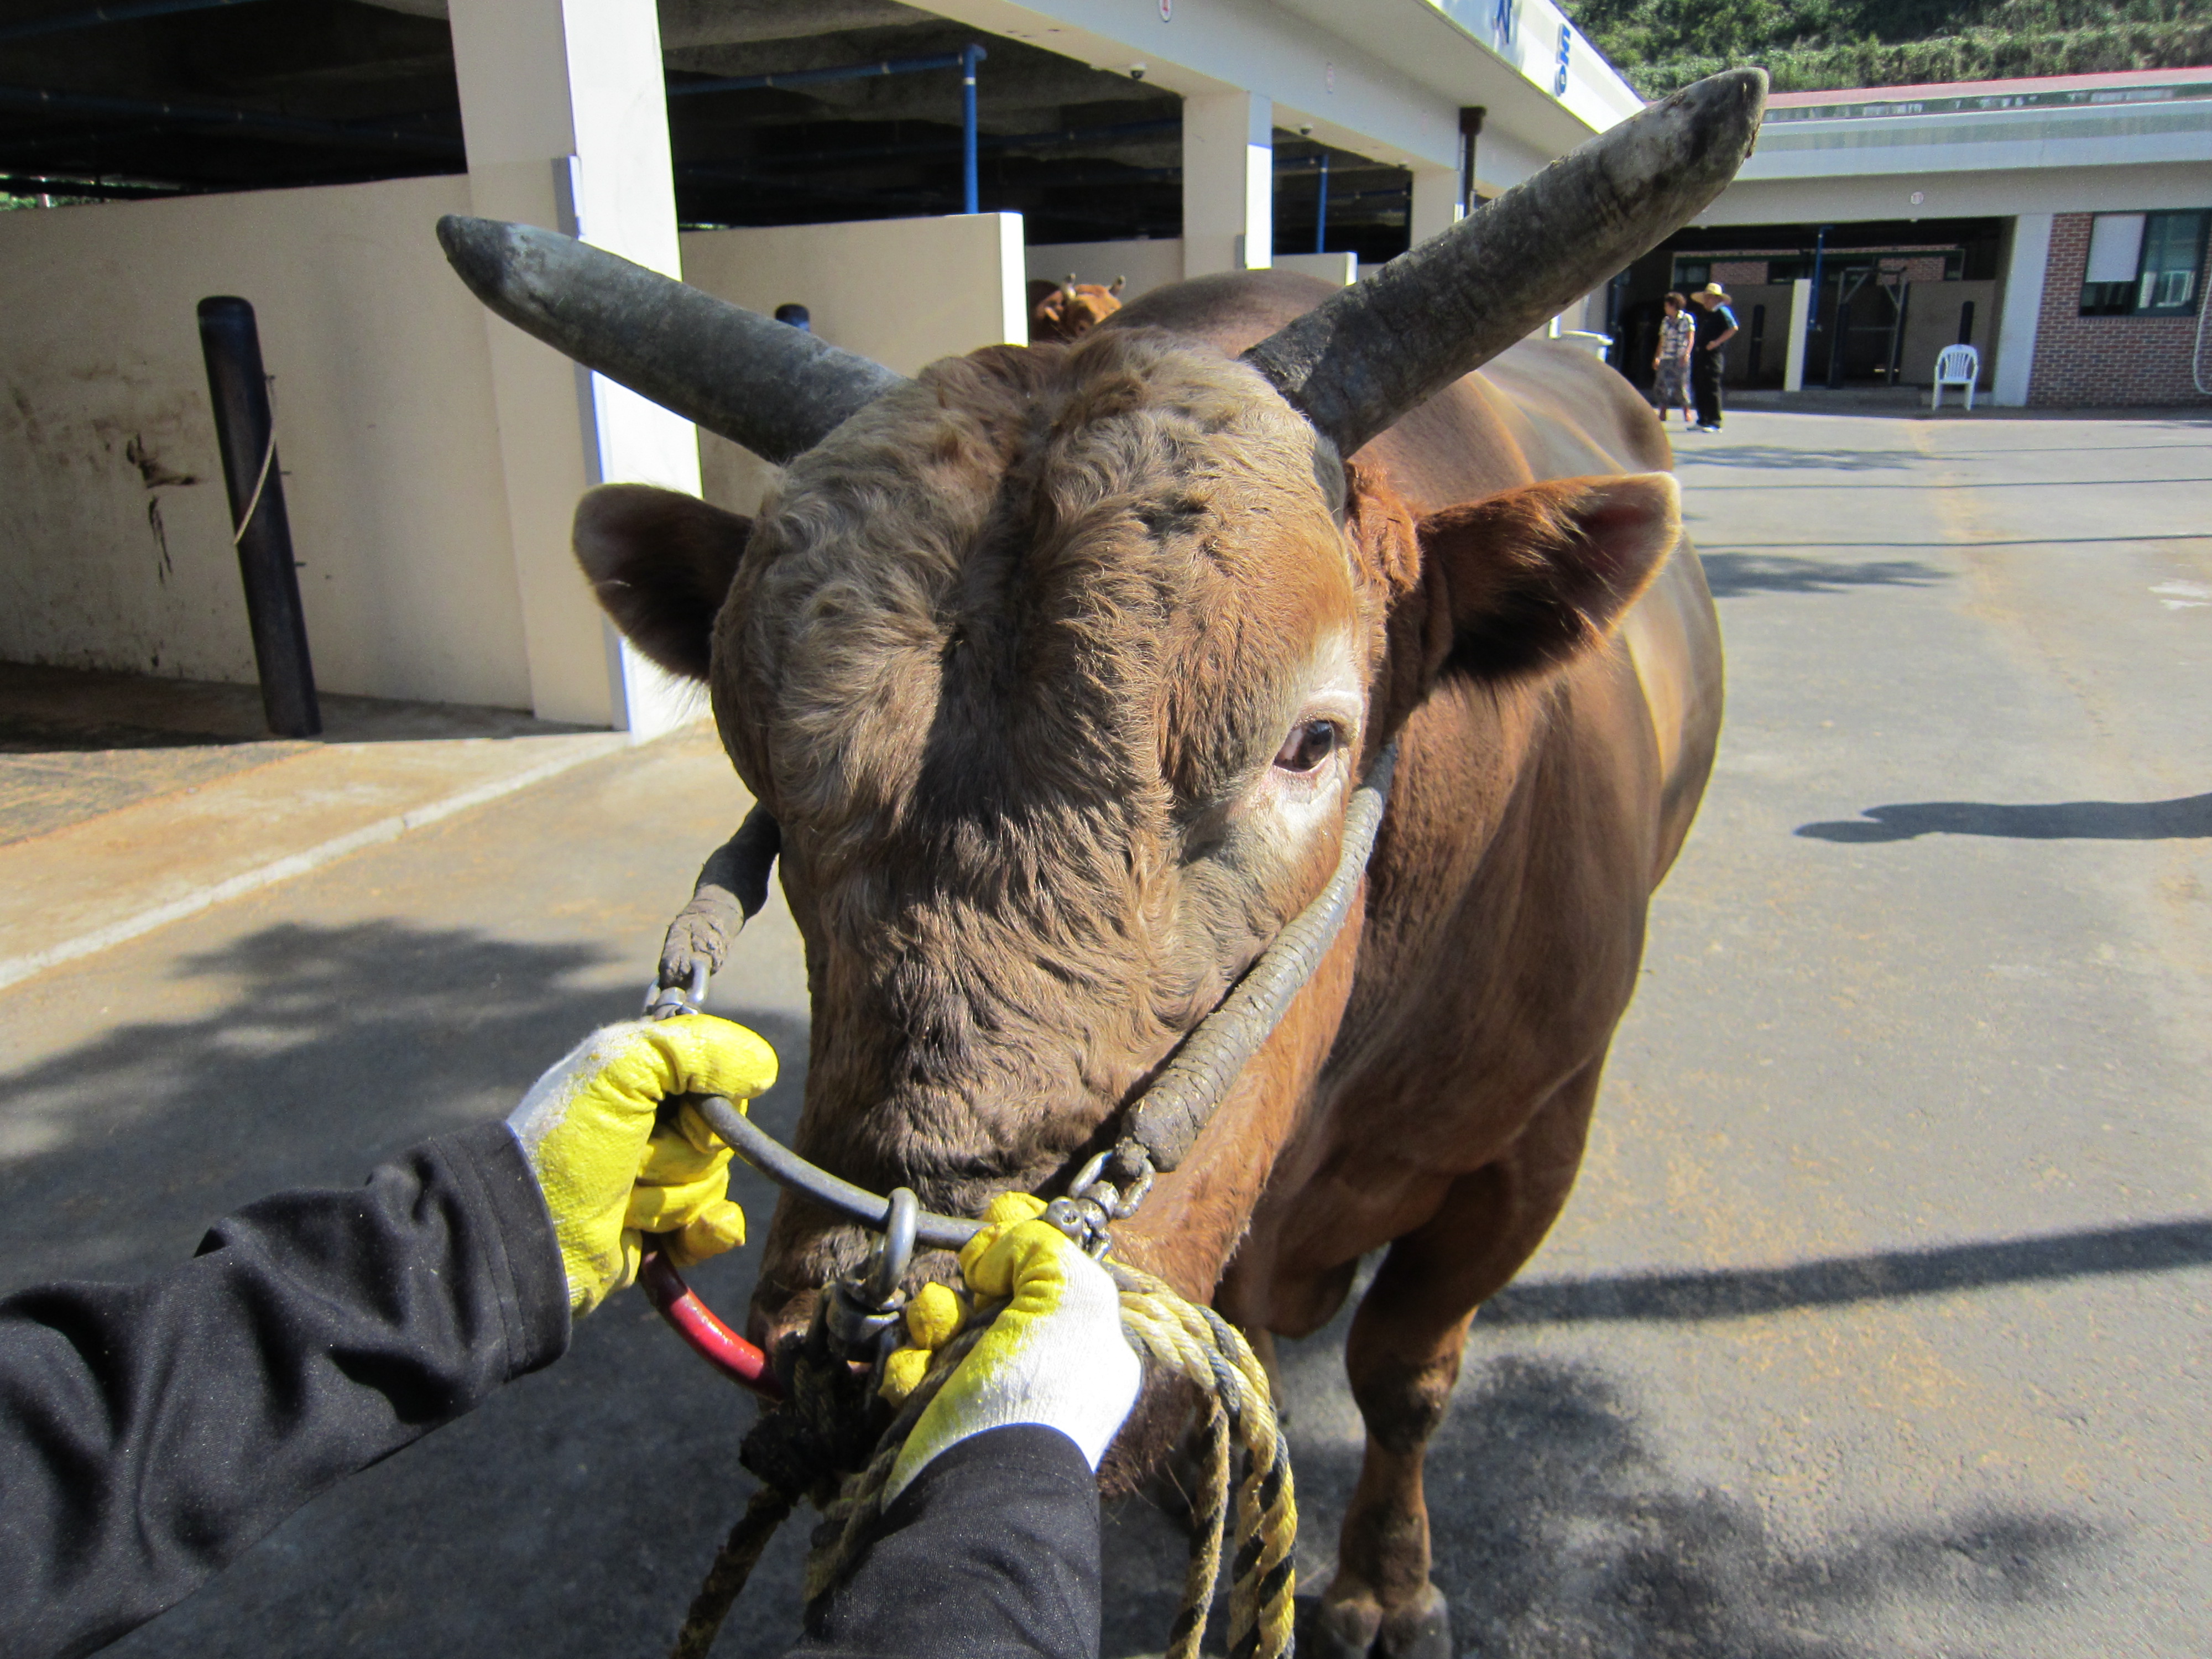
{"x": 1734, "y": 273}
{"x": 2084, "y": 362}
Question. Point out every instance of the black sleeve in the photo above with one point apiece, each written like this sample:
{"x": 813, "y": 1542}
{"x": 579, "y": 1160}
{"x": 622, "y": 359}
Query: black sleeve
{"x": 150, "y": 1432}
{"x": 992, "y": 1552}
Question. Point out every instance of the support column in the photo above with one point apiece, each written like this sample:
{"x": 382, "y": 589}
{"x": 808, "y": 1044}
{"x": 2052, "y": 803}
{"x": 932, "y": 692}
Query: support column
{"x": 1228, "y": 183}
{"x": 2023, "y": 308}
{"x": 1801, "y": 322}
{"x": 566, "y": 119}
{"x": 1437, "y": 203}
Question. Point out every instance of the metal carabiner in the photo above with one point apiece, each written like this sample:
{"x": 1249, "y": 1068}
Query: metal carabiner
{"x": 666, "y": 1001}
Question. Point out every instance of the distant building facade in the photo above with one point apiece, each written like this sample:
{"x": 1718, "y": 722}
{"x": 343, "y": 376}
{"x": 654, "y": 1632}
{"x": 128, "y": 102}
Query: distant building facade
{"x": 2059, "y": 226}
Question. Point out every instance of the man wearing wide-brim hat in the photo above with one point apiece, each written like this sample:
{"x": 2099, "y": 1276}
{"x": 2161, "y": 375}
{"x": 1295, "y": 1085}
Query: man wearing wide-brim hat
{"x": 1716, "y": 326}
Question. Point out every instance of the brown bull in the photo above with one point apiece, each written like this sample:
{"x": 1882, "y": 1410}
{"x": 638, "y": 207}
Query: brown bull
{"x": 1057, "y": 667}
{"x": 1068, "y": 311}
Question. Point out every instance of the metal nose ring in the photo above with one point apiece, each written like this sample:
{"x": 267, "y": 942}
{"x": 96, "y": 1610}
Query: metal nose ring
{"x": 887, "y": 1271}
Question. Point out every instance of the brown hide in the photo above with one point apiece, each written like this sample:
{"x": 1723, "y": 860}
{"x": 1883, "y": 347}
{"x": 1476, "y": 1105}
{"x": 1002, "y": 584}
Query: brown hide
{"x": 1064, "y": 311}
{"x": 1507, "y": 895}
{"x": 1008, "y": 654}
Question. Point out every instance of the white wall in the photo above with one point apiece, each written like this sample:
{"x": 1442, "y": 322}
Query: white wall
{"x": 1339, "y": 269}
{"x": 384, "y": 425}
{"x": 905, "y": 292}
{"x": 2027, "y": 259}
{"x": 566, "y": 128}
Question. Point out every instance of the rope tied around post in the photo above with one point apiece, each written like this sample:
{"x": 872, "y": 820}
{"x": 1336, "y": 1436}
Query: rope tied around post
{"x": 261, "y": 482}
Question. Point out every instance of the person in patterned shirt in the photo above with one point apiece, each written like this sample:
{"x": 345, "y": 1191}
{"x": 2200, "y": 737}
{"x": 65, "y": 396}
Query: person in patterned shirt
{"x": 1677, "y": 336}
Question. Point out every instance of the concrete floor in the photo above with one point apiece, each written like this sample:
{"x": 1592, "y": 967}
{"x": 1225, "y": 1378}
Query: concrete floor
{"x": 1878, "y": 1325}
{"x": 74, "y": 744}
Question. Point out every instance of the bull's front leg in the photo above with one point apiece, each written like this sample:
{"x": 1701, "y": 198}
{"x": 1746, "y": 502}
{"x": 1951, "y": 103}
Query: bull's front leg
{"x": 1403, "y": 1359}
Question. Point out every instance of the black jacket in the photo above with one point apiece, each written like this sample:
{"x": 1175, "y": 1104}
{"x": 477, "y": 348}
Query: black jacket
{"x": 148, "y": 1433}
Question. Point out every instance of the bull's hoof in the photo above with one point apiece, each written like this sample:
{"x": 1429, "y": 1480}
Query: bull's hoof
{"x": 1358, "y": 1628}
{"x": 1421, "y": 1630}
{"x": 1342, "y": 1630}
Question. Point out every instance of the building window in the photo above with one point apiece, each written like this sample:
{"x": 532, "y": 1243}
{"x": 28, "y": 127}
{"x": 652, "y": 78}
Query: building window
{"x": 2144, "y": 264}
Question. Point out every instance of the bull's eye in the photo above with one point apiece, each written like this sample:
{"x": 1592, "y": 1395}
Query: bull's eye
{"x": 1311, "y": 742}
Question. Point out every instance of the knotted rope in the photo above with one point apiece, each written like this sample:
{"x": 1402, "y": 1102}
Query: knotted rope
{"x": 1174, "y": 1336}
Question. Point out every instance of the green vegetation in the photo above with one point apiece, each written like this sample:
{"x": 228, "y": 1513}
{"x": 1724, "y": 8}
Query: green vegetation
{"x": 1660, "y": 44}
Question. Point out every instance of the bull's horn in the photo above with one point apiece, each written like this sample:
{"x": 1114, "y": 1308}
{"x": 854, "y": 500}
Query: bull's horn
{"x": 1364, "y": 357}
{"x": 777, "y": 390}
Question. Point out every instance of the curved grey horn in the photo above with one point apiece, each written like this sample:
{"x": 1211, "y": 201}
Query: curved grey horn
{"x": 1364, "y": 357}
{"x": 777, "y": 390}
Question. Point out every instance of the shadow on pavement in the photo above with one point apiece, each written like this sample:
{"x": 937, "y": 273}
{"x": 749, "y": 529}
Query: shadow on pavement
{"x": 1777, "y": 458}
{"x": 575, "y": 1512}
{"x": 1730, "y": 575}
{"x": 340, "y": 1046}
{"x": 2186, "y": 818}
{"x": 2154, "y": 1247}
{"x": 1557, "y": 1531}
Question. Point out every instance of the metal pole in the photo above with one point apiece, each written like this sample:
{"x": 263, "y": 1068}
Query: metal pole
{"x": 1820, "y": 253}
{"x": 1321, "y": 210}
{"x": 244, "y": 429}
{"x": 970, "y": 197}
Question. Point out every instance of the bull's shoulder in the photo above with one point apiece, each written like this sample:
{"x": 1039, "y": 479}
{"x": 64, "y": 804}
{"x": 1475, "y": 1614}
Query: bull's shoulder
{"x": 1232, "y": 312}
{"x": 1580, "y": 416}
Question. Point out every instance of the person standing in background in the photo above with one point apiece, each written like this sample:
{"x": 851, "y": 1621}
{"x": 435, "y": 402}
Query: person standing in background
{"x": 1716, "y": 326}
{"x": 1677, "y": 339}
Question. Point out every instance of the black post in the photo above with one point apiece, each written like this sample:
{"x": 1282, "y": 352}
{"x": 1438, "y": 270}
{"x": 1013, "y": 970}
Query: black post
{"x": 261, "y": 532}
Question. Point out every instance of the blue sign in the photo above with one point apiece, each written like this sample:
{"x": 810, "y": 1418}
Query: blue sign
{"x": 1566, "y": 50}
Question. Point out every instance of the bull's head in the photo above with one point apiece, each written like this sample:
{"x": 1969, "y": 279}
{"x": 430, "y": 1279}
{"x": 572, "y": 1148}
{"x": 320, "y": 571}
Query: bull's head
{"x": 1057, "y": 666}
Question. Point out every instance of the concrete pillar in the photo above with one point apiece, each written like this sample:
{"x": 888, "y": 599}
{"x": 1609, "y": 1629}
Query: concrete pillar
{"x": 566, "y": 119}
{"x": 1801, "y": 323}
{"x": 1437, "y": 202}
{"x": 1228, "y": 183}
{"x": 2023, "y": 308}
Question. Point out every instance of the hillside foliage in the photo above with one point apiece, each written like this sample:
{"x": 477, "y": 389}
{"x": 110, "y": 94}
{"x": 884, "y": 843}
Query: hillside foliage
{"x": 1814, "y": 45}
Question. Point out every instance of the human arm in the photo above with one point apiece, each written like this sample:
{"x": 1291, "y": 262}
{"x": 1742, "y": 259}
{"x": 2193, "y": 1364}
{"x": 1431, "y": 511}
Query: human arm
{"x": 1727, "y": 333}
{"x": 990, "y": 1552}
{"x": 148, "y": 1433}
{"x": 988, "y": 1544}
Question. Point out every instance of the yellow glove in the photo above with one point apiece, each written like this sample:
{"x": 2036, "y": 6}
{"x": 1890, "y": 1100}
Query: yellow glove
{"x": 1055, "y": 1354}
{"x": 611, "y": 1173}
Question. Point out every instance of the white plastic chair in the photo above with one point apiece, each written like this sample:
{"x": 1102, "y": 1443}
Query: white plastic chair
{"x": 1958, "y": 364}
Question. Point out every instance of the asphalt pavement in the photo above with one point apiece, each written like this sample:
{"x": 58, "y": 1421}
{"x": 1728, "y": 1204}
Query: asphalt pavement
{"x": 1877, "y": 1326}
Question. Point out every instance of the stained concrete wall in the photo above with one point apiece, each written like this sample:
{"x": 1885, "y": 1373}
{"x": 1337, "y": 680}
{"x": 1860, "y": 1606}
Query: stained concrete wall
{"x": 114, "y": 533}
{"x": 905, "y": 292}
{"x": 115, "y": 546}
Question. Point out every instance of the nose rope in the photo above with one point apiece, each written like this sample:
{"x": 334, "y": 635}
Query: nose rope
{"x": 1164, "y": 1123}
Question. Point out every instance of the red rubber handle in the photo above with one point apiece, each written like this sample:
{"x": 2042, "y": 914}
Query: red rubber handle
{"x": 696, "y": 1323}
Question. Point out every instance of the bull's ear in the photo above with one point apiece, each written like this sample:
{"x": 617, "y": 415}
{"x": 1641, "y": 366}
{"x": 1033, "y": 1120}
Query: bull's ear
{"x": 1537, "y": 575}
{"x": 660, "y": 564}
